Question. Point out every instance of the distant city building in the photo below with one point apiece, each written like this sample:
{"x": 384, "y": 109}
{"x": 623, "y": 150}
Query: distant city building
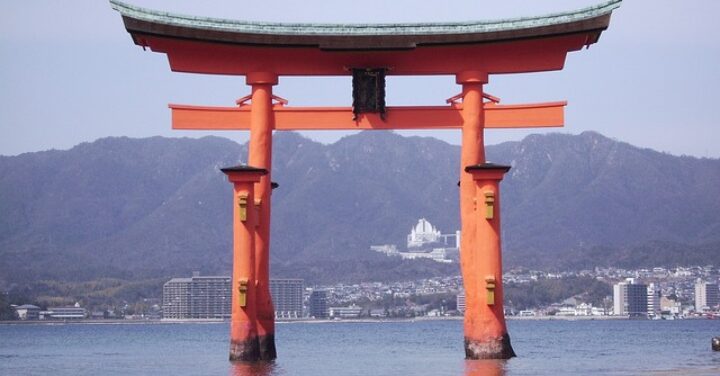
{"x": 349, "y": 312}
{"x": 318, "y": 304}
{"x": 378, "y": 313}
{"x": 460, "y": 302}
{"x": 287, "y": 295}
{"x": 28, "y": 312}
{"x": 706, "y": 296}
{"x": 387, "y": 249}
{"x": 637, "y": 299}
{"x": 64, "y": 313}
{"x": 630, "y": 299}
{"x": 425, "y": 241}
{"x": 422, "y": 233}
{"x": 654, "y": 294}
{"x": 198, "y": 297}
{"x": 619, "y": 298}
{"x": 584, "y": 309}
{"x": 176, "y": 298}
{"x": 209, "y": 297}
{"x": 670, "y": 306}
{"x": 565, "y": 311}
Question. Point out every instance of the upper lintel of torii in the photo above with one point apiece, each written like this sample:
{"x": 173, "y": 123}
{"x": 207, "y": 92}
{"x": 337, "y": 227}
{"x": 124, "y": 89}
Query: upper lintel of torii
{"x": 270, "y": 50}
{"x": 529, "y": 44}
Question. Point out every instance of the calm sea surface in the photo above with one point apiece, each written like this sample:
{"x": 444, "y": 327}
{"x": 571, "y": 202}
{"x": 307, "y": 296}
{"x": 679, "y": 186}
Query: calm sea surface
{"x": 390, "y": 348}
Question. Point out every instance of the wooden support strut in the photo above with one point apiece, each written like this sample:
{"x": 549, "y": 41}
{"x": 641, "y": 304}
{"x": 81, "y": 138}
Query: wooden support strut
{"x": 549, "y": 114}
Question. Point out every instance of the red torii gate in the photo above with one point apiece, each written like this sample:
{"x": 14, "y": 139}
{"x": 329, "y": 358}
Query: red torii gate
{"x": 263, "y": 52}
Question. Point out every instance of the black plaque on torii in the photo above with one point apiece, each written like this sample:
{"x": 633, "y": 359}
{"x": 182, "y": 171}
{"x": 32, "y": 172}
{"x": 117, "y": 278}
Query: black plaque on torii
{"x": 368, "y": 91}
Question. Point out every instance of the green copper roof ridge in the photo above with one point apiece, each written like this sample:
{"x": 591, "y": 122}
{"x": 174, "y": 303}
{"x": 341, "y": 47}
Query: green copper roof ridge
{"x": 359, "y": 29}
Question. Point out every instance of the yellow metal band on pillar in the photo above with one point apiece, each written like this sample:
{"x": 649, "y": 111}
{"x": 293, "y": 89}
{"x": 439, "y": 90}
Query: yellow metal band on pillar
{"x": 489, "y": 205}
{"x": 242, "y": 289}
{"x": 242, "y": 203}
{"x": 258, "y": 203}
{"x": 490, "y": 281}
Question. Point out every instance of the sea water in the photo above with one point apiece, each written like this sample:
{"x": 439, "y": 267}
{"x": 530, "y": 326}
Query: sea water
{"x": 557, "y": 347}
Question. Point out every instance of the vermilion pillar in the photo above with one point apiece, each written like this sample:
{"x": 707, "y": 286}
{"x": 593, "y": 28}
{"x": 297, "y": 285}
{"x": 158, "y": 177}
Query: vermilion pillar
{"x": 472, "y": 153}
{"x": 486, "y": 334}
{"x": 260, "y": 155}
{"x": 475, "y": 256}
{"x": 244, "y": 345}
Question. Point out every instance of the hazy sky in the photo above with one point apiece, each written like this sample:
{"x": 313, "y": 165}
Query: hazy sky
{"x": 69, "y": 72}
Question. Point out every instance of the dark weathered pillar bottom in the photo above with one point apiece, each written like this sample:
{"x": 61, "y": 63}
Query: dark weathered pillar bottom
{"x": 245, "y": 351}
{"x": 497, "y": 348}
{"x": 267, "y": 347}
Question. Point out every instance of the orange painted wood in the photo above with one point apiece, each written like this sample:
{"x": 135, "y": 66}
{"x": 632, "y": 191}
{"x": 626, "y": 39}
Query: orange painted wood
{"x": 260, "y": 156}
{"x": 244, "y": 343}
{"x": 483, "y": 322}
{"x": 549, "y": 114}
{"x": 515, "y": 56}
{"x": 243, "y": 327}
{"x": 472, "y": 153}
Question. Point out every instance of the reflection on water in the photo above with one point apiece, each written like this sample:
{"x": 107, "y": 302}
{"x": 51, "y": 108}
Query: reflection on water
{"x": 253, "y": 369}
{"x": 472, "y": 368}
{"x": 488, "y": 367}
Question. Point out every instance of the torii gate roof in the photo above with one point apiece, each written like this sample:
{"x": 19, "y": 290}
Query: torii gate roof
{"x": 220, "y": 46}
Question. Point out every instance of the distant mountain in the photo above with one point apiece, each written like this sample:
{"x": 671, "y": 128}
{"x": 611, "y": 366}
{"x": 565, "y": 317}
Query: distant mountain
{"x": 116, "y": 207}
{"x": 576, "y": 192}
{"x": 158, "y": 207}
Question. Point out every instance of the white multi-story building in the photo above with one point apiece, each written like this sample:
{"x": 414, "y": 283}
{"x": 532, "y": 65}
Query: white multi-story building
{"x": 28, "y": 312}
{"x": 422, "y": 233}
{"x": 653, "y": 300}
{"x": 706, "y": 296}
{"x": 619, "y": 297}
{"x": 437, "y": 254}
{"x": 198, "y": 297}
{"x": 209, "y": 297}
{"x": 64, "y": 313}
{"x": 348, "y": 312}
{"x": 287, "y": 296}
{"x": 425, "y": 242}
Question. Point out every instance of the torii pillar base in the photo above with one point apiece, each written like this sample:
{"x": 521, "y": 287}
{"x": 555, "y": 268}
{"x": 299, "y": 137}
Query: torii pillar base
{"x": 244, "y": 342}
{"x": 486, "y": 335}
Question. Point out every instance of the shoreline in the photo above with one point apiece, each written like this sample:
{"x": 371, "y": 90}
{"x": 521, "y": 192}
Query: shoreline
{"x": 320, "y": 321}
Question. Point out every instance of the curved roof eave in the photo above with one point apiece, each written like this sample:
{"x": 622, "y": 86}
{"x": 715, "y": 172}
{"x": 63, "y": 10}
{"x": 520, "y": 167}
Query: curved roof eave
{"x": 151, "y": 22}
